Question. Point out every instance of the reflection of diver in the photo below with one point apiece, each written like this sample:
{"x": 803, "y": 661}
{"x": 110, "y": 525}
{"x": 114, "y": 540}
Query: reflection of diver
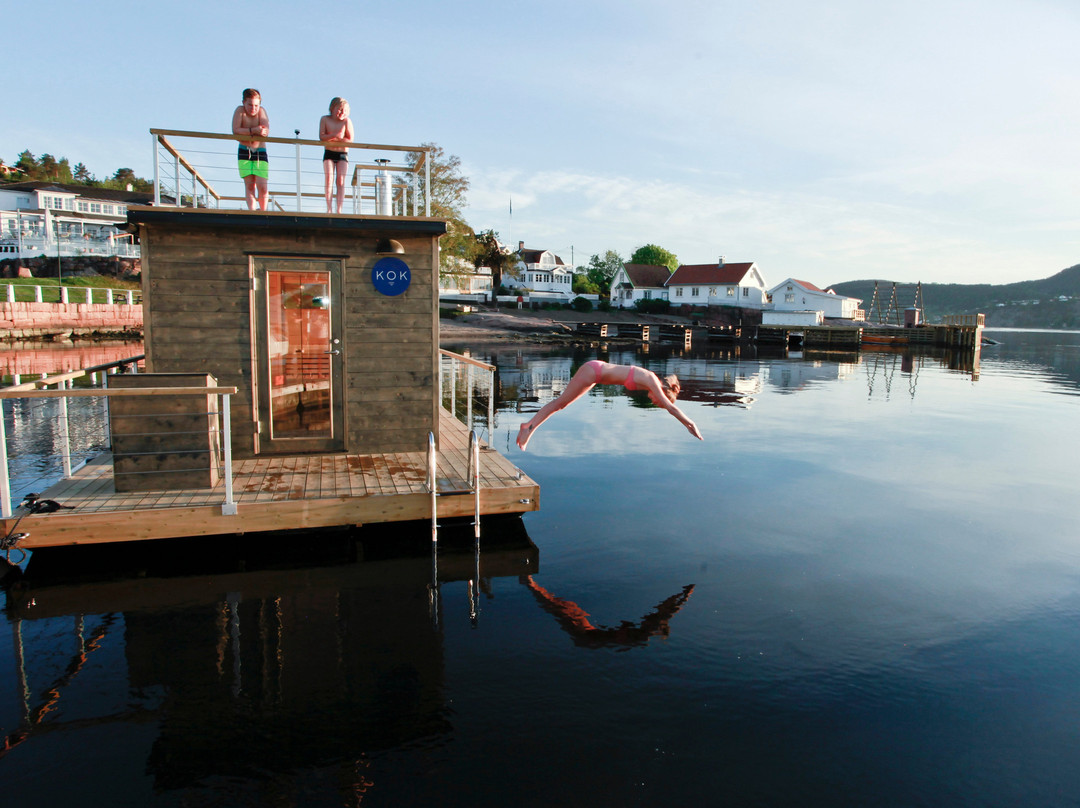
{"x": 575, "y": 620}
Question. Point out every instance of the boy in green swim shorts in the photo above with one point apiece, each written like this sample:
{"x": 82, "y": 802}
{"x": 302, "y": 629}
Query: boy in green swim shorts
{"x": 251, "y": 119}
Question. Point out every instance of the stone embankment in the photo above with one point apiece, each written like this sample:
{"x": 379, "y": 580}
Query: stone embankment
{"x": 53, "y": 321}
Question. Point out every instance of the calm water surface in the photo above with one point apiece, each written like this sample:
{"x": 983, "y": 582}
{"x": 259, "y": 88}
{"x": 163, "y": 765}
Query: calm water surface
{"x": 863, "y": 588}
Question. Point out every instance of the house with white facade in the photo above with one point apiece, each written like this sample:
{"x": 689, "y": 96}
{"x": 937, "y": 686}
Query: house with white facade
{"x": 543, "y": 275}
{"x": 84, "y": 219}
{"x": 634, "y": 282}
{"x": 721, "y": 284}
{"x": 465, "y": 282}
{"x": 800, "y": 296}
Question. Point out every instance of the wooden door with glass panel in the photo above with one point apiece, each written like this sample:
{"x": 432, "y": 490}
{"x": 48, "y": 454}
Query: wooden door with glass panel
{"x": 298, "y": 342}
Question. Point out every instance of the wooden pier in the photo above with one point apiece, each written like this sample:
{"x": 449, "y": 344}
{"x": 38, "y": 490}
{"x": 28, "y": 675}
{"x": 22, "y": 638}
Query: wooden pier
{"x": 281, "y": 492}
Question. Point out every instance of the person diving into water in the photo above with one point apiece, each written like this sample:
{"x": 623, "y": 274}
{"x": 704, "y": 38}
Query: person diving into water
{"x": 662, "y": 392}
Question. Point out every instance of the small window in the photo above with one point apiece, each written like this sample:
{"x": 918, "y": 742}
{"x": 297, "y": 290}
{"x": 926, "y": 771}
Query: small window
{"x": 678, "y": 291}
{"x": 731, "y": 291}
{"x": 694, "y": 291}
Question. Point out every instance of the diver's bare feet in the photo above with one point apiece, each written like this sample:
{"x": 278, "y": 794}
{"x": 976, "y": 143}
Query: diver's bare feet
{"x": 524, "y": 433}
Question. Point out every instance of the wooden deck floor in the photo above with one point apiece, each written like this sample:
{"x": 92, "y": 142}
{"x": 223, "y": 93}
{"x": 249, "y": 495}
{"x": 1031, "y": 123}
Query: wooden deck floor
{"x": 280, "y": 493}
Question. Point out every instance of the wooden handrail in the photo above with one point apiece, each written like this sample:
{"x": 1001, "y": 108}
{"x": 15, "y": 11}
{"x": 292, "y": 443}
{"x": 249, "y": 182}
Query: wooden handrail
{"x": 483, "y": 365}
{"x": 287, "y": 140}
{"x": 106, "y": 392}
{"x": 202, "y": 181}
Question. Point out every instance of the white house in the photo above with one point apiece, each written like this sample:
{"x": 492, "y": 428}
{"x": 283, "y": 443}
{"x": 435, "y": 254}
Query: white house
{"x": 47, "y": 209}
{"x": 634, "y": 282}
{"x": 543, "y": 274}
{"x": 795, "y": 295}
{"x": 719, "y": 284}
{"x": 465, "y": 282}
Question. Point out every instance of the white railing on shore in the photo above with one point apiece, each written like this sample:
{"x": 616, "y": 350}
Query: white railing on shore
{"x": 35, "y": 401}
{"x": 199, "y": 169}
{"x": 464, "y": 381}
{"x": 68, "y": 247}
{"x": 71, "y": 294}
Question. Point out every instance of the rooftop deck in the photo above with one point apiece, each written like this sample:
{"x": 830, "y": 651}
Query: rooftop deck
{"x": 282, "y": 492}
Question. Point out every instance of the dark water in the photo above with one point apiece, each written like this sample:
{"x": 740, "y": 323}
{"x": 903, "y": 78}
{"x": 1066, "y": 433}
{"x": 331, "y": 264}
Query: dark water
{"x": 862, "y": 589}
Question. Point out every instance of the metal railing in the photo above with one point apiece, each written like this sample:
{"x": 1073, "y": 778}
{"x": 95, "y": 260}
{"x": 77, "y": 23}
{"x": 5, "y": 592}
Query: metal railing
{"x": 463, "y": 382}
{"x": 203, "y": 174}
{"x": 55, "y": 410}
{"x": 73, "y": 246}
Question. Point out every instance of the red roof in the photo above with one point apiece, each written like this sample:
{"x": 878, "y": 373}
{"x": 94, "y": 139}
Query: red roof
{"x": 647, "y": 274}
{"x": 704, "y": 274}
{"x": 809, "y": 286}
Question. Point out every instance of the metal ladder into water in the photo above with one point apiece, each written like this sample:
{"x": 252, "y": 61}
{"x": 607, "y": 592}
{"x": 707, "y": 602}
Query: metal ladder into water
{"x": 473, "y": 483}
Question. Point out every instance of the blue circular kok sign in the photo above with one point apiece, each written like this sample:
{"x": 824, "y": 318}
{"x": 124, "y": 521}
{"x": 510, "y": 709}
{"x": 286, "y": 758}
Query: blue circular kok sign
{"x": 391, "y": 276}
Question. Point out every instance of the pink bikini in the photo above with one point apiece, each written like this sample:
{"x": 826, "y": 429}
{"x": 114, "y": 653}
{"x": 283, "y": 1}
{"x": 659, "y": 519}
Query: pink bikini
{"x": 598, "y": 369}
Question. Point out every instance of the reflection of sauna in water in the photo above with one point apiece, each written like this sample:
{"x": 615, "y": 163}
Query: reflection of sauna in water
{"x": 298, "y": 319}
{"x": 303, "y": 671}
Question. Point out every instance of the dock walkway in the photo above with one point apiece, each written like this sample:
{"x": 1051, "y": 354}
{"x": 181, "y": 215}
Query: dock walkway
{"x": 278, "y": 492}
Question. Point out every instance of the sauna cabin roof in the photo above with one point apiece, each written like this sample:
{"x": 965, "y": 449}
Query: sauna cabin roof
{"x": 291, "y": 220}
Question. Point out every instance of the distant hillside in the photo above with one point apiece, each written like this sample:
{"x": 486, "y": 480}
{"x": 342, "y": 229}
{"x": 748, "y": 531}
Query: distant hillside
{"x": 1053, "y": 302}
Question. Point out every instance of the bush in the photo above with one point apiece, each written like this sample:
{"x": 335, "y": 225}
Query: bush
{"x": 581, "y": 304}
{"x": 604, "y": 305}
{"x": 652, "y": 306}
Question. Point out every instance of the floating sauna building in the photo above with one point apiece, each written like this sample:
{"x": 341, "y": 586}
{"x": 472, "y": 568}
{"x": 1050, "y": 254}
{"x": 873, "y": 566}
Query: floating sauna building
{"x": 327, "y": 328}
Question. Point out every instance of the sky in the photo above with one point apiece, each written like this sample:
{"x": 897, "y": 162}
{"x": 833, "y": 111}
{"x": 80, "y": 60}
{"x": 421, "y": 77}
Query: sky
{"x": 924, "y": 140}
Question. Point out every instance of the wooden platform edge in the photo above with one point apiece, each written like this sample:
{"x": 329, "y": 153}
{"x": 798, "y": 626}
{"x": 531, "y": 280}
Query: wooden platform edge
{"x": 58, "y": 529}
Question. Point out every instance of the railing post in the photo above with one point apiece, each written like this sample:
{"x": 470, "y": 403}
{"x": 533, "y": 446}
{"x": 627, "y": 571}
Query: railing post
{"x": 453, "y": 386}
{"x": 5, "y": 481}
{"x": 176, "y": 163}
{"x": 474, "y": 480}
{"x": 11, "y": 293}
{"x": 432, "y": 485}
{"x": 427, "y": 184}
{"x": 89, "y": 294}
{"x": 157, "y": 172}
{"x": 108, "y": 296}
{"x": 299, "y": 195}
{"x": 130, "y": 298}
{"x": 37, "y": 294}
{"x": 468, "y": 395}
{"x": 228, "y": 507}
{"x": 63, "y": 294}
{"x": 65, "y": 433}
{"x": 491, "y": 407}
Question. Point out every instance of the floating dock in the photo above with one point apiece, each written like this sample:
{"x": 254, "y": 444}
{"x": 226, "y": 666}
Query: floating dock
{"x": 279, "y": 492}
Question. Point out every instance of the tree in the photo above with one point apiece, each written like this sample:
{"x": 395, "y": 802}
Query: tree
{"x": 447, "y": 198}
{"x": 601, "y": 270}
{"x": 583, "y": 286}
{"x": 27, "y": 164}
{"x": 82, "y": 174}
{"x": 488, "y": 252}
{"x": 655, "y": 256}
{"x": 123, "y": 177}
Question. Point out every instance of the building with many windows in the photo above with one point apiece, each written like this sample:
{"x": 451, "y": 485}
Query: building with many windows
{"x": 543, "y": 274}
{"x": 634, "y": 282}
{"x": 720, "y": 284}
{"x": 37, "y": 213}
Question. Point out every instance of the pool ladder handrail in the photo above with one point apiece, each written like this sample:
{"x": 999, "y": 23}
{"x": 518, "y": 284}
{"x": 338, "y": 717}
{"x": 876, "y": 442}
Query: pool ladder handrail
{"x": 474, "y": 489}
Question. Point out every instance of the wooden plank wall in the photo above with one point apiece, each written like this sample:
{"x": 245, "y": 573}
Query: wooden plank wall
{"x": 198, "y": 305}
